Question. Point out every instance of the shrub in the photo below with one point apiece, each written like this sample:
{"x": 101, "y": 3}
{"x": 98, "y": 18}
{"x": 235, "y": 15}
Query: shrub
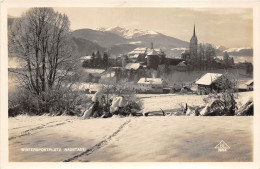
{"x": 64, "y": 101}
{"x": 121, "y": 88}
{"x": 226, "y": 88}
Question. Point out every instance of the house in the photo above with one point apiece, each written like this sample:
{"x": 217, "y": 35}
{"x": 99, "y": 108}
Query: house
{"x": 85, "y": 58}
{"x": 140, "y": 54}
{"x": 133, "y": 66}
{"x": 241, "y": 86}
{"x": 93, "y": 75}
{"x": 176, "y": 64}
{"x": 181, "y": 66}
{"x": 137, "y": 54}
{"x": 250, "y": 85}
{"x": 151, "y": 85}
{"x": 208, "y": 83}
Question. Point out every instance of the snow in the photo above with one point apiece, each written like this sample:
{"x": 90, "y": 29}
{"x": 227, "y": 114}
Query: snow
{"x": 249, "y": 82}
{"x": 208, "y": 78}
{"x": 90, "y": 86}
{"x": 235, "y": 49}
{"x": 136, "y": 42}
{"x": 108, "y": 75}
{"x": 133, "y": 66}
{"x": 158, "y": 50}
{"x": 128, "y": 33}
{"x": 99, "y": 71}
{"x": 75, "y": 133}
{"x": 154, "y": 139}
{"x": 179, "y": 138}
{"x": 83, "y": 58}
{"x": 157, "y": 81}
{"x": 153, "y": 52}
{"x": 182, "y": 64}
{"x": 129, "y": 139}
{"x": 180, "y": 49}
{"x": 15, "y": 62}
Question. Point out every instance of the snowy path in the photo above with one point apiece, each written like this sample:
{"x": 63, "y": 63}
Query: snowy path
{"x": 99, "y": 145}
{"x": 23, "y": 131}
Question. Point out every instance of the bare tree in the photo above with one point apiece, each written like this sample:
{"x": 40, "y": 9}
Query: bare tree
{"x": 40, "y": 39}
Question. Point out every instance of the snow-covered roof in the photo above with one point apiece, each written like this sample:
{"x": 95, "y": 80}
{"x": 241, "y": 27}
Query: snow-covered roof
{"x": 137, "y": 52}
{"x": 133, "y": 66}
{"x": 241, "y": 86}
{"x": 134, "y": 56}
{"x": 141, "y": 48}
{"x": 158, "y": 50}
{"x": 157, "y": 81}
{"x": 107, "y": 75}
{"x": 182, "y": 64}
{"x": 94, "y": 71}
{"x": 219, "y": 57}
{"x": 153, "y": 52}
{"x": 208, "y": 78}
{"x": 249, "y": 82}
{"x": 180, "y": 49}
{"x": 85, "y": 58}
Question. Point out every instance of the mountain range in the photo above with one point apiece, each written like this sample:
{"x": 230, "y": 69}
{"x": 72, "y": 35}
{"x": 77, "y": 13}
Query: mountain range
{"x": 121, "y": 40}
{"x": 118, "y": 40}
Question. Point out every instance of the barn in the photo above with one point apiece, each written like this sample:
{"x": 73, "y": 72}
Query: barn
{"x": 250, "y": 85}
{"x": 208, "y": 82}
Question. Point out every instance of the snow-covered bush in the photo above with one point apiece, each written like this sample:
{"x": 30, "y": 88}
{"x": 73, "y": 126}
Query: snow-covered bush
{"x": 227, "y": 86}
{"x": 64, "y": 101}
{"x": 122, "y": 88}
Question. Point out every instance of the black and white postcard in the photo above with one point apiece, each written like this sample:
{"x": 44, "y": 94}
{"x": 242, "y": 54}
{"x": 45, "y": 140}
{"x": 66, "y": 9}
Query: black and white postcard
{"x": 128, "y": 81}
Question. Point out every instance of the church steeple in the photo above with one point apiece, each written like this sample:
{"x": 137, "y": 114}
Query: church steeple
{"x": 194, "y": 34}
{"x": 194, "y": 37}
{"x": 193, "y": 46}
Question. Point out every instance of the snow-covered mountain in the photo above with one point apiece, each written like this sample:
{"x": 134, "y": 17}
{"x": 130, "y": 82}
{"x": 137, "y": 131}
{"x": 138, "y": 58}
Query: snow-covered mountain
{"x": 124, "y": 40}
{"x": 240, "y": 51}
{"x": 219, "y": 47}
{"x": 127, "y": 33}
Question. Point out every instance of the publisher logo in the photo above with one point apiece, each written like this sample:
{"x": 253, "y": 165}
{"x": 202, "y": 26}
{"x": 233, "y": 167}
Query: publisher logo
{"x": 222, "y": 146}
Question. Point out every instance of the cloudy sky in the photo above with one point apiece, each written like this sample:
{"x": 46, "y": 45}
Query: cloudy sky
{"x": 230, "y": 27}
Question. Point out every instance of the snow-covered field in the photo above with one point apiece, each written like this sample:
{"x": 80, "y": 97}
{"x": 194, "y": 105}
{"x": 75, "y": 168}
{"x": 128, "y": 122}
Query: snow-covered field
{"x": 154, "y": 138}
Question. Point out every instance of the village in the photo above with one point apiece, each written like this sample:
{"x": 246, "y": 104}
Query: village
{"x": 150, "y": 71}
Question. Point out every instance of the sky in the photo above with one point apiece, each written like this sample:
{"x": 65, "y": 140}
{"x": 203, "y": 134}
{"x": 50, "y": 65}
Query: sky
{"x": 229, "y": 27}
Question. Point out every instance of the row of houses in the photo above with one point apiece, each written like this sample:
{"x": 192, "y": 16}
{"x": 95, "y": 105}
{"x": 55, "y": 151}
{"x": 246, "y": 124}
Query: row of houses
{"x": 205, "y": 84}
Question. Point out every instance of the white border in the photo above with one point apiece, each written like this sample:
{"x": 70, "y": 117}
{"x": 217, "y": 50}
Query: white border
{"x": 84, "y": 3}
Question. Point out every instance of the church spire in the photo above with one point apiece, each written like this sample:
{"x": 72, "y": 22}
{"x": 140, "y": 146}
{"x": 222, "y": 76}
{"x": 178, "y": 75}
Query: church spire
{"x": 194, "y": 34}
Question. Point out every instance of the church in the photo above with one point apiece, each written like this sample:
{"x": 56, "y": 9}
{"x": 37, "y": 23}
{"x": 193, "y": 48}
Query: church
{"x": 193, "y": 47}
{"x": 191, "y": 55}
